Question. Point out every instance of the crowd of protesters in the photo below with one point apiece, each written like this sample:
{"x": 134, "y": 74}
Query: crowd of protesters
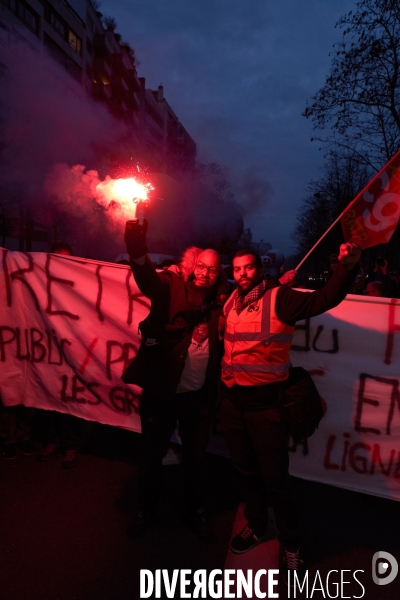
{"x": 382, "y": 282}
{"x": 177, "y": 365}
{"x": 201, "y": 314}
{"x": 381, "y": 279}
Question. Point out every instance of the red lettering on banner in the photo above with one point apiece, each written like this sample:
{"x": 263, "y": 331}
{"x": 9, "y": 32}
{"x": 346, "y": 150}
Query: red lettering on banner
{"x": 327, "y": 458}
{"x": 306, "y": 328}
{"x": 4, "y": 341}
{"x": 362, "y": 399}
{"x": 124, "y": 400}
{"x": 376, "y": 459}
{"x": 123, "y": 356}
{"x": 364, "y": 459}
{"x": 77, "y": 389}
{"x": 335, "y": 341}
{"x": 396, "y": 473}
{"x": 345, "y": 451}
{"x": 137, "y": 297}
{"x": 392, "y": 328}
{"x": 307, "y": 336}
{"x": 50, "y": 280}
{"x": 90, "y": 386}
{"x": 51, "y": 337}
{"x": 37, "y": 344}
{"x": 36, "y": 350}
{"x": 18, "y": 275}
{"x": 21, "y": 356}
{"x": 359, "y": 463}
{"x": 99, "y": 293}
{"x": 88, "y": 356}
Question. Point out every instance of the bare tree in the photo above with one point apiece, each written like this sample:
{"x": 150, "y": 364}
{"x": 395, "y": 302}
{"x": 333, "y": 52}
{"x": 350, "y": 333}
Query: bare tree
{"x": 109, "y": 23}
{"x": 343, "y": 177}
{"x": 360, "y": 100}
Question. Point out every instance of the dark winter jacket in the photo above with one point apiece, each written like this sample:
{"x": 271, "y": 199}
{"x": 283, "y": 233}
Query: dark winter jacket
{"x": 176, "y": 308}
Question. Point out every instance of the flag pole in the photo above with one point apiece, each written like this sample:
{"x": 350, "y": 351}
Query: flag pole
{"x": 386, "y": 166}
{"x": 321, "y": 238}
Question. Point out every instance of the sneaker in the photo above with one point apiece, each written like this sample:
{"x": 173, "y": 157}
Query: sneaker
{"x": 289, "y": 564}
{"x": 10, "y": 451}
{"x": 70, "y": 458}
{"x": 199, "y": 524}
{"x": 140, "y": 523}
{"x": 49, "y": 451}
{"x": 28, "y": 448}
{"x": 247, "y": 539}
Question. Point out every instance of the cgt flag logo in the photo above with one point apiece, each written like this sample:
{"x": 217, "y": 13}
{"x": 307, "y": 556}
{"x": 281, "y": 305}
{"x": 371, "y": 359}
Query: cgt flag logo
{"x": 384, "y": 568}
{"x": 372, "y": 216}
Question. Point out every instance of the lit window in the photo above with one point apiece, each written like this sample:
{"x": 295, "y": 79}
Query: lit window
{"x": 75, "y": 42}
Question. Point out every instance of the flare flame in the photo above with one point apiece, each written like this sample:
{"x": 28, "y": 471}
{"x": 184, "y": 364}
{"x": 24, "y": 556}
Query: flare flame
{"x": 122, "y": 196}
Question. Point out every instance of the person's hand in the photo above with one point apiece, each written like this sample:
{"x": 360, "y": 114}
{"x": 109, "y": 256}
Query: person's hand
{"x": 174, "y": 269}
{"x": 349, "y": 254}
{"x": 288, "y": 277}
{"x": 135, "y": 238}
{"x": 382, "y": 265}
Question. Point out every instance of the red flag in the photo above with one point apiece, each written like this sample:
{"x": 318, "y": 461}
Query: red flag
{"x": 372, "y": 216}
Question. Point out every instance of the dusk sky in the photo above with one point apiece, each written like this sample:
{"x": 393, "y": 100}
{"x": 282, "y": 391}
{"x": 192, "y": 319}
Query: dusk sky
{"x": 238, "y": 75}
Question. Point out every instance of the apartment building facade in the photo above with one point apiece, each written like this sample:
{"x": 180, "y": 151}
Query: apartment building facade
{"x": 87, "y": 46}
{"x": 74, "y": 34}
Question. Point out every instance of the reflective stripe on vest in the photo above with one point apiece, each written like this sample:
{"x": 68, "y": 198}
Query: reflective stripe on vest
{"x": 250, "y": 368}
{"x": 251, "y": 337}
{"x": 257, "y": 343}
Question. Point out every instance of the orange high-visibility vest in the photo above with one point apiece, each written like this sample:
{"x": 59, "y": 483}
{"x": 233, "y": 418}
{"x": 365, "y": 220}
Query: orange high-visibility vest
{"x": 257, "y": 343}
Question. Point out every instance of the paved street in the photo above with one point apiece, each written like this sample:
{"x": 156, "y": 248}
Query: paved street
{"x": 63, "y": 533}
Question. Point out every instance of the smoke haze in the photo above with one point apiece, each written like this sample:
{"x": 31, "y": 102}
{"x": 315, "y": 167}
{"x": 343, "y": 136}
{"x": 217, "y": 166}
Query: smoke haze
{"x": 58, "y": 143}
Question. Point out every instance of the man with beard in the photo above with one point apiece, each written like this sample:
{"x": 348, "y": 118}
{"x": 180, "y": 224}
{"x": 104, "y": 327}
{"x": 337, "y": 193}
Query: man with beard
{"x": 259, "y": 328}
{"x": 177, "y": 366}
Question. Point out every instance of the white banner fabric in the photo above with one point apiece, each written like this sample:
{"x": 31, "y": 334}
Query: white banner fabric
{"x": 69, "y": 327}
{"x": 353, "y": 353}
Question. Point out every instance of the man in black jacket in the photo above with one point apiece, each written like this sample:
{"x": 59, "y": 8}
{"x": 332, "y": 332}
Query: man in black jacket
{"x": 177, "y": 366}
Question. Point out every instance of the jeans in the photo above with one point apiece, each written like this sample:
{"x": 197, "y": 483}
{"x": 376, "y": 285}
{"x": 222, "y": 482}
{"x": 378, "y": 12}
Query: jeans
{"x": 159, "y": 417}
{"x": 258, "y": 445}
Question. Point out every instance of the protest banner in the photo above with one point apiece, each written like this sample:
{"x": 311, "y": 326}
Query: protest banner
{"x": 353, "y": 353}
{"x": 69, "y": 327}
